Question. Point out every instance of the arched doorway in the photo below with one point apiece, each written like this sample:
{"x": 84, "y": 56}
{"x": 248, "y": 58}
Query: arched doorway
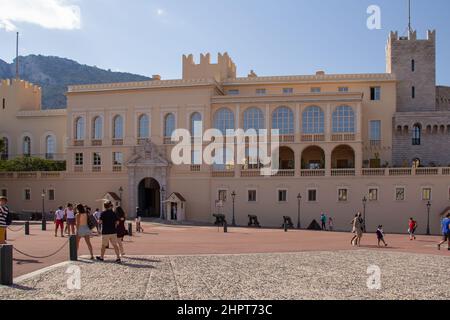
{"x": 313, "y": 158}
{"x": 343, "y": 157}
{"x": 286, "y": 158}
{"x": 149, "y": 198}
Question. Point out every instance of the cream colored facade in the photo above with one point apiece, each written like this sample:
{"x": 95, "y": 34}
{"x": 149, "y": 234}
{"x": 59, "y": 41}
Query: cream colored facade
{"x": 336, "y": 147}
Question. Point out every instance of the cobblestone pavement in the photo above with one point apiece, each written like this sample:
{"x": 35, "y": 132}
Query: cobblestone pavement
{"x": 305, "y": 275}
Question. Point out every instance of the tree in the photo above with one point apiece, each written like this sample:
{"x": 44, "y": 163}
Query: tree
{"x": 27, "y": 164}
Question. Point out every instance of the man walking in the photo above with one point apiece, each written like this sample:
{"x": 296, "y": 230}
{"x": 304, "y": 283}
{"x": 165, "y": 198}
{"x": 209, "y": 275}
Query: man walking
{"x": 445, "y": 232}
{"x": 59, "y": 221}
{"x": 109, "y": 222}
{"x": 323, "y": 219}
{"x": 4, "y": 218}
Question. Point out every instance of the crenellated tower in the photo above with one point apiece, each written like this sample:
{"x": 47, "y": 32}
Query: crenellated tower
{"x": 222, "y": 70}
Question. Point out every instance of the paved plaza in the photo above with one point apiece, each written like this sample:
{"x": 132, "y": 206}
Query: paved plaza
{"x": 189, "y": 262}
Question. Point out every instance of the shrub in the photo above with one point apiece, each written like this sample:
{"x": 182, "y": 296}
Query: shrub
{"x": 26, "y": 164}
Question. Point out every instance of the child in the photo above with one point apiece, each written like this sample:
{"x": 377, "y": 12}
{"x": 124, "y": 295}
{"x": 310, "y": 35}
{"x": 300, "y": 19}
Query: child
{"x": 330, "y": 223}
{"x": 380, "y": 236}
{"x": 138, "y": 225}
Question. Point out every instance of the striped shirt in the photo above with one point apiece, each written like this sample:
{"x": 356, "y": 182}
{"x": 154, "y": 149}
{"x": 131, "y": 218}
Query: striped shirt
{"x": 4, "y": 211}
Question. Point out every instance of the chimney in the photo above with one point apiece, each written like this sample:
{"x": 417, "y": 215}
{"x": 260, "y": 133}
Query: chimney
{"x": 156, "y": 77}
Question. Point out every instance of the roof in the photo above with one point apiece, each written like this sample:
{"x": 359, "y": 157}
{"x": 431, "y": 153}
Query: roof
{"x": 447, "y": 210}
{"x": 179, "y": 196}
{"x": 114, "y": 196}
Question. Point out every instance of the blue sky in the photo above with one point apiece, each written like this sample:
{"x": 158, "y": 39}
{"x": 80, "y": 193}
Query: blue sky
{"x": 280, "y": 37}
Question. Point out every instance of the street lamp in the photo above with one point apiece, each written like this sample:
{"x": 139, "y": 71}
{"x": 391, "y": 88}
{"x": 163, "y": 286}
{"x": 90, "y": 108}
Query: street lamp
{"x": 163, "y": 191}
{"x": 233, "y": 197}
{"x": 299, "y": 198}
{"x": 364, "y": 201}
{"x": 120, "y": 195}
{"x": 428, "y": 220}
{"x": 44, "y": 220}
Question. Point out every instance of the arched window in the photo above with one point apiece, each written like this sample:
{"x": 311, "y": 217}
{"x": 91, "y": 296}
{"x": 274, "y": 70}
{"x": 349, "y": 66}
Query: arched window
{"x": 254, "y": 119}
{"x": 79, "y": 129}
{"x": 313, "y": 120}
{"x": 5, "y": 149}
{"x": 144, "y": 127}
{"x": 416, "y": 163}
{"x": 26, "y": 146}
{"x": 118, "y": 127}
{"x": 417, "y": 135}
{"x": 224, "y": 120}
{"x": 50, "y": 147}
{"x": 344, "y": 120}
{"x": 169, "y": 125}
{"x": 283, "y": 120}
{"x": 195, "y": 117}
{"x": 97, "y": 132}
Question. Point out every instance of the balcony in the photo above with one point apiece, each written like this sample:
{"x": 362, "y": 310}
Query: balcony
{"x": 96, "y": 168}
{"x": 284, "y": 173}
{"x": 249, "y": 173}
{"x": 78, "y": 143}
{"x": 313, "y": 138}
{"x": 168, "y": 141}
{"x": 286, "y": 138}
{"x": 117, "y": 142}
{"x": 343, "y": 172}
{"x": 96, "y": 143}
{"x": 117, "y": 168}
{"x": 141, "y": 141}
{"x": 78, "y": 168}
{"x": 226, "y": 173}
{"x": 343, "y": 137}
{"x": 196, "y": 168}
{"x": 313, "y": 173}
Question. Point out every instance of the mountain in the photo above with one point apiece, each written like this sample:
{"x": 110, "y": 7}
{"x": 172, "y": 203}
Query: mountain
{"x": 54, "y": 74}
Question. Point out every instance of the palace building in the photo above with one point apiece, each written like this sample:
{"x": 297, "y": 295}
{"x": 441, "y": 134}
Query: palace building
{"x": 343, "y": 137}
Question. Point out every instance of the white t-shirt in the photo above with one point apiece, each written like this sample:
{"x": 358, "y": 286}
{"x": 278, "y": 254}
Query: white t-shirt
{"x": 59, "y": 214}
{"x": 70, "y": 214}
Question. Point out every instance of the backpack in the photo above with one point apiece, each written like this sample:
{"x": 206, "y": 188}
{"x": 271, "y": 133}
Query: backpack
{"x": 91, "y": 222}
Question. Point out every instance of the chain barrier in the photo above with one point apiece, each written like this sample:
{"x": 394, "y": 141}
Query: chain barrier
{"x": 16, "y": 230}
{"x": 42, "y": 257}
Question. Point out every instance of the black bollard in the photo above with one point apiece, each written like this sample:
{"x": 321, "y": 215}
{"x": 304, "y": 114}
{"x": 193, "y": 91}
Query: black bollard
{"x": 73, "y": 248}
{"x": 130, "y": 229}
{"x": 27, "y": 228}
{"x": 44, "y": 225}
{"x": 6, "y": 265}
{"x": 225, "y": 227}
{"x": 285, "y": 227}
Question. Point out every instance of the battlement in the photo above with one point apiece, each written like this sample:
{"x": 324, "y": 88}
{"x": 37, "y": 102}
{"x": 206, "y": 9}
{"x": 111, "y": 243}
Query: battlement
{"x": 23, "y": 94}
{"x": 412, "y": 36}
{"x": 20, "y": 84}
{"x": 222, "y": 70}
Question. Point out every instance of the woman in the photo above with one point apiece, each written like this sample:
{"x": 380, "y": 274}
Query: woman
{"x": 412, "y": 227}
{"x": 83, "y": 230}
{"x": 357, "y": 223}
{"x": 121, "y": 230}
{"x": 70, "y": 218}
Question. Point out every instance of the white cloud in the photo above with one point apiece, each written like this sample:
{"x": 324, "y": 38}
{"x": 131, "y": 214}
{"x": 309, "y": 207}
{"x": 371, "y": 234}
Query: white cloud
{"x": 160, "y": 12}
{"x": 49, "y": 14}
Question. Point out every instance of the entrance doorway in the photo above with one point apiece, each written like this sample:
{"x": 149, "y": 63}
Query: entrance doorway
{"x": 149, "y": 198}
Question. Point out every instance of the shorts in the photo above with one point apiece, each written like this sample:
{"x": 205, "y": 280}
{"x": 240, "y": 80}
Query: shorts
{"x": 71, "y": 222}
{"x": 59, "y": 223}
{"x": 446, "y": 237}
{"x": 106, "y": 238}
{"x": 2, "y": 235}
{"x": 83, "y": 231}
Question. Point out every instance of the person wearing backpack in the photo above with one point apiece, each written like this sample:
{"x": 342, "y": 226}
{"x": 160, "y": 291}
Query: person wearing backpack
{"x": 5, "y": 219}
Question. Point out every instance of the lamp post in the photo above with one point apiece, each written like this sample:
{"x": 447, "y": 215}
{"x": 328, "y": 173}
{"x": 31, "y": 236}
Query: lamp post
{"x": 163, "y": 191}
{"x": 233, "y": 197}
{"x": 44, "y": 220}
{"x": 428, "y": 219}
{"x": 364, "y": 201}
{"x": 120, "y": 195}
{"x": 299, "y": 198}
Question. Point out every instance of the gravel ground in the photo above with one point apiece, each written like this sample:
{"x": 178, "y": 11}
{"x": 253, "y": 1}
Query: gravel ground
{"x": 296, "y": 276}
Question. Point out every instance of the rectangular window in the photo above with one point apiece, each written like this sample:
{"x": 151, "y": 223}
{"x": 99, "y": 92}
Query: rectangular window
{"x": 288, "y": 91}
{"x": 117, "y": 158}
{"x": 51, "y": 195}
{"x": 251, "y": 195}
{"x": 343, "y": 195}
{"x": 97, "y": 159}
{"x": 223, "y": 195}
{"x": 79, "y": 159}
{"x": 375, "y": 93}
{"x": 316, "y": 90}
{"x": 343, "y": 89}
{"x": 400, "y": 194}
{"x": 27, "y": 195}
{"x": 375, "y": 131}
{"x": 413, "y": 92}
{"x": 260, "y": 92}
{"x": 426, "y": 194}
{"x": 312, "y": 195}
{"x": 373, "y": 194}
{"x": 233, "y": 92}
{"x": 4, "y": 193}
{"x": 282, "y": 195}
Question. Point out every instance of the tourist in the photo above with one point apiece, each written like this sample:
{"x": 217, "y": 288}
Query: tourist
{"x": 357, "y": 229}
{"x": 380, "y": 236}
{"x": 121, "y": 230}
{"x": 323, "y": 219}
{"x": 4, "y": 218}
{"x": 70, "y": 218}
{"x": 109, "y": 223}
{"x": 83, "y": 230}
{"x": 445, "y": 232}
{"x": 412, "y": 227}
{"x": 330, "y": 224}
{"x": 97, "y": 215}
{"x": 59, "y": 221}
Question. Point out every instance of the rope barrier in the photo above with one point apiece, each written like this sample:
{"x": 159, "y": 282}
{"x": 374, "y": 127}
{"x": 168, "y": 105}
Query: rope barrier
{"x": 43, "y": 257}
{"x": 17, "y": 230}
